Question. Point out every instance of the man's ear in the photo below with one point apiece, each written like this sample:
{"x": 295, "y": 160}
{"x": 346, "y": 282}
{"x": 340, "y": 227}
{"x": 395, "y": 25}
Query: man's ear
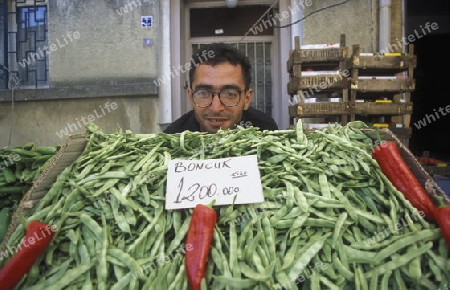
{"x": 189, "y": 95}
{"x": 248, "y": 98}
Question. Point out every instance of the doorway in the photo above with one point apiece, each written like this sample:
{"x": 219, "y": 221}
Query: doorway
{"x": 207, "y": 25}
{"x": 430, "y": 120}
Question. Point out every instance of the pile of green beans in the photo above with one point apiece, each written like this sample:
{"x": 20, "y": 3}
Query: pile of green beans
{"x": 20, "y": 166}
{"x": 330, "y": 220}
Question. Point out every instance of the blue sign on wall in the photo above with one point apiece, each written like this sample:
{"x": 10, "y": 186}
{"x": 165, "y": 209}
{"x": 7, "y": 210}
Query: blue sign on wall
{"x": 146, "y": 21}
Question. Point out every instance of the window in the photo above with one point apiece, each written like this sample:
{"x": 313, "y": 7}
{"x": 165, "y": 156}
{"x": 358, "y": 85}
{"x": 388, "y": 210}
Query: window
{"x": 3, "y": 51}
{"x": 31, "y": 41}
{"x": 206, "y": 22}
{"x": 24, "y": 29}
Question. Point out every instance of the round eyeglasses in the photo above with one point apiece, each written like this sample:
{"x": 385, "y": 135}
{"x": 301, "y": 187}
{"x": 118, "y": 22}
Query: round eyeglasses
{"x": 229, "y": 97}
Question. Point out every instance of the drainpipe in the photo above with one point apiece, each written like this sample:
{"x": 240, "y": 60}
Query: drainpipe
{"x": 385, "y": 26}
{"x": 296, "y": 14}
{"x": 165, "y": 89}
{"x": 296, "y": 11}
{"x": 404, "y": 22}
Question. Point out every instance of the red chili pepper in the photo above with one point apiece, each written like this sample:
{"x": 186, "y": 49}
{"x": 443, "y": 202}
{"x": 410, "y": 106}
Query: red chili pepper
{"x": 398, "y": 172}
{"x": 38, "y": 237}
{"x": 198, "y": 243}
{"x": 442, "y": 215}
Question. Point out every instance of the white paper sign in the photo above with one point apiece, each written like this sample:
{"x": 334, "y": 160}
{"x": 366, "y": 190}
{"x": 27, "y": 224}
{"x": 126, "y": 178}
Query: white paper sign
{"x": 190, "y": 182}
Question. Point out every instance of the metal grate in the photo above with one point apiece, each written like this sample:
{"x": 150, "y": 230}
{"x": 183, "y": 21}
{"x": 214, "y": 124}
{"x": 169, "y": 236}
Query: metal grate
{"x": 260, "y": 57}
{"x": 24, "y": 43}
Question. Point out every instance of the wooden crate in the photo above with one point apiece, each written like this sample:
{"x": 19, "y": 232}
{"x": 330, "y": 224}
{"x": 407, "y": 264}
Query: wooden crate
{"x": 388, "y": 75}
{"x": 340, "y": 108}
{"x": 305, "y": 56}
{"x": 394, "y": 85}
{"x": 377, "y": 61}
{"x": 373, "y": 108}
{"x": 317, "y": 84}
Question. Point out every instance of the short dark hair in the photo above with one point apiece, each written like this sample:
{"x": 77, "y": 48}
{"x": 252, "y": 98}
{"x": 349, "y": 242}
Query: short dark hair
{"x": 222, "y": 52}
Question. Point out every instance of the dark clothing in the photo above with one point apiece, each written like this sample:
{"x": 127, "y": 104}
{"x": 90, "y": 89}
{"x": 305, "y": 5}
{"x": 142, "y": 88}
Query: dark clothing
{"x": 250, "y": 118}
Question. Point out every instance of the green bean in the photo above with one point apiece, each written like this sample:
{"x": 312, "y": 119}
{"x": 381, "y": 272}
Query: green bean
{"x": 330, "y": 285}
{"x": 235, "y": 283}
{"x": 87, "y": 285}
{"x": 93, "y": 226}
{"x": 341, "y": 268}
{"x": 233, "y": 261}
{"x": 61, "y": 271}
{"x": 216, "y": 257}
{"x": 337, "y": 230}
{"x": 161, "y": 278}
{"x": 395, "y": 247}
{"x": 110, "y": 176}
{"x": 119, "y": 271}
{"x": 121, "y": 221}
{"x": 289, "y": 258}
{"x": 307, "y": 252}
{"x": 264, "y": 259}
{"x": 123, "y": 283}
{"x": 360, "y": 279}
{"x": 176, "y": 282}
{"x": 180, "y": 235}
{"x": 278, "y": 215}
{"x": 314, "y": 222}
{"x": 358, "y": 256}
{"x": 128, "y": 260}
{"x": 69, "y": 276}
{"x": 146, "y": 231}
{"x": 385, "y": 280}
{"x": 414, "y": 267}
{"x": 102, "y": 266}
{"x": 257, "y": 276}
{"x": 297, "y": 225}
{"x": 399, "y": 280}
{"x": 269, "y": 237}
{"x": 402, "y": 260}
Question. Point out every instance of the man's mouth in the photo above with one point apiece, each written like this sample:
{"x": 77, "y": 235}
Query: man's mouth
{"x": 216, "y": 122}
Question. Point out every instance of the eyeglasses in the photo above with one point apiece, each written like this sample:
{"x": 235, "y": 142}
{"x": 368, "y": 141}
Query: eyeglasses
{"x": 229, "y": 97}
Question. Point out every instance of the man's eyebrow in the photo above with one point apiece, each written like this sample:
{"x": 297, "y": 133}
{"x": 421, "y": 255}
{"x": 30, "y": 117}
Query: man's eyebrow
{"x": 203, "y": 86}
{"x": 210, "y": 87}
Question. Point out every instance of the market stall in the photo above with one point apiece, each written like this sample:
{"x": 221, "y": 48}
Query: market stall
{"x": 330, "y": 219}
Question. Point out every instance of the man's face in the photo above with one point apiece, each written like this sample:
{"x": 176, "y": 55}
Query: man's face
{"x": 217, "y": 116}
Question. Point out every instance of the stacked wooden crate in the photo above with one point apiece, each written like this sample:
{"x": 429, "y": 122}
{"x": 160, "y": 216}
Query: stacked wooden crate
{"x": 372, "y": 87}
{"x": 318, "y": 72}
{"x": 380, "y": 91}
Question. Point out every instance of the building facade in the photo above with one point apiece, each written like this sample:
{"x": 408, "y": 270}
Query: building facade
{"x": 121, "y": 63}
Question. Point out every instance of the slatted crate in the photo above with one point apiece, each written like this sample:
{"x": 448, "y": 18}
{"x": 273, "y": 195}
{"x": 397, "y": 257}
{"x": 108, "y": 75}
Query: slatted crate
{"x": 329, "y": 76}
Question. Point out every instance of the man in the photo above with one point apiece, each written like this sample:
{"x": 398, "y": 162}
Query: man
{"x": 220, "y": 94}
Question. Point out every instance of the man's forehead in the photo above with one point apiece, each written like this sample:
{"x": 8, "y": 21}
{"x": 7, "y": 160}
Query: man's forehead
{"x": 224, "y": 69}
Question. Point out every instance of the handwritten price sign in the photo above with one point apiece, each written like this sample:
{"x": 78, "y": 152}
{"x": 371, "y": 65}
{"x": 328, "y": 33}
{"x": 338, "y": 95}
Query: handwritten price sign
{"x": 190, "y": 182}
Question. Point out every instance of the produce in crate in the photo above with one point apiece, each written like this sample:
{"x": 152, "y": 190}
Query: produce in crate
{"x": 19, "y": 168}
{"x": 330, "y": 220}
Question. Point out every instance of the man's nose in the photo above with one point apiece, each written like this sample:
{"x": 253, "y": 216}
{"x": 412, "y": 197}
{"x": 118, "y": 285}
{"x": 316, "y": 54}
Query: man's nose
{"x": 216, "y": 105}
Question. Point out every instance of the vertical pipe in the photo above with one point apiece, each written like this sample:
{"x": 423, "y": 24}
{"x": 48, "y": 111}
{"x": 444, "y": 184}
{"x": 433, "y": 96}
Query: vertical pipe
{"x": 385, "y": 25}
{"x": 177, "y": 92}
{"x": 296, "y": 29}
{"x": 296, "y": 14}
{"x": 404, "y": 22}
{"x": 4, "y": 15}
{"x": 165, "y": 89}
